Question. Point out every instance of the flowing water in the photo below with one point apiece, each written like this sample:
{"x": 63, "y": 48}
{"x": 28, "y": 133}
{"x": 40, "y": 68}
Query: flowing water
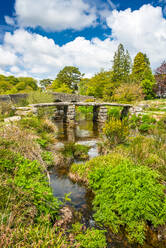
{"x": 85, "y": 133}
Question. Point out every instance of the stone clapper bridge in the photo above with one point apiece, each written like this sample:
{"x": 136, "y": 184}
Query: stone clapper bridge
{"x": 67, "y": 110}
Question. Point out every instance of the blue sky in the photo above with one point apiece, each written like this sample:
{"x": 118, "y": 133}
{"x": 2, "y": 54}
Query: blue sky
{"x": 38, "y": 38}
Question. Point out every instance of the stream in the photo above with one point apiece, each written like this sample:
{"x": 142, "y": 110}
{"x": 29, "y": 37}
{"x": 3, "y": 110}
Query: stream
{"x": 85, "y": 133}
{"x": 81, "y": 198}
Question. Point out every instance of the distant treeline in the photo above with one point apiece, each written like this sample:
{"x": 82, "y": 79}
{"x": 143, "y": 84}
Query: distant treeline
{"x": 126, "y": 81}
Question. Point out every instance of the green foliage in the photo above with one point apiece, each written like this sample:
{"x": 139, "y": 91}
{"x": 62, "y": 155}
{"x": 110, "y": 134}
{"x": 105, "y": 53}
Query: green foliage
{"x": 42, "y": 142}
{"x": 149, "y": 152}
{"x": 126, "y": 195}
{"x": 121, "y": 65}
{"x": 40, "y": 97}
{"x": 127, "y": 93}
{"x": 69, "y": 76}
{"x": 58, "y": 86}
{"x": 116, "y": 131}
{"x": 6, "y": 110}
{"x": 92, "y": 239}
{"x": 30, "y": 178}
{"x": 114, "y": 112}
{"x": 44, "y": 83}
{"x": 48, "y": 158}
{"x": 27, "y": 204}
{"x": 148, "y": 88}
{"x": 142, "y": 74}
{"x": 144, "y": 123}
{"x": 100, "y": 85}
{"x": 12, "y": 85}
{"x": 87, "y": 112}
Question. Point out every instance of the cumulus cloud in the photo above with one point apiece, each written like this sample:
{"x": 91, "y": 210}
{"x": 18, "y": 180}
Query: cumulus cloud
{"x": 32, "y": 54}
{"x": 141, "y": 30}
{"x": 40, "y": 57}
{"x": 55, "y": 15}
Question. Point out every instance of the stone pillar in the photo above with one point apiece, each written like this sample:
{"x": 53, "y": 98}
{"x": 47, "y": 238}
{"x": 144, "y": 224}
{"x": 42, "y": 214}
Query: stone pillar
{"x": 95, "y": 113}
{"x": 70, "y": 113}
{"x": 59, "y": 113}
{"x": 124, "y": 112}
{"x": 100, "y": 113}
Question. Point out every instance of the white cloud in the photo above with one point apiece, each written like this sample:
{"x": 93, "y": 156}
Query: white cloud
{"x": 55, "y": 15}
{"x": 35, "y": 55}
{"x": 40, "y": 57}
{"x": 141, "y": 30}
{"x": 7, "y": 58}
{"x": 9, "y": 20}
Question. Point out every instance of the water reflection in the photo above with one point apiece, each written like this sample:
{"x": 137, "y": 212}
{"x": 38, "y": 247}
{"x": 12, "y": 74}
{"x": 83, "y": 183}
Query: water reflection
{"x": 82, "y": 130}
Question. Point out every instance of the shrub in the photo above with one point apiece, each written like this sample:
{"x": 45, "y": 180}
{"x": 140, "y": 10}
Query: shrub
{"x": 30, "y": 178}
{"x": 6, "y": 110}
{"x": 39, "y": 97}
{"x": 128, "y": 92}
{"x": 92, "y": 239}
{"x": 116, "y": 131}
{"x": 27, "y": 204}
{"x": 144, "y": 127}
{"x": 126, "y": 195}
{"x": 114, "y": 112}
{"x": 20, "y": 141}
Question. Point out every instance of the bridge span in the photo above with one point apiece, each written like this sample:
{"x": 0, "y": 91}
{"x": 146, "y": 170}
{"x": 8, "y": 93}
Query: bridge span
{"x": 68, "y": 109}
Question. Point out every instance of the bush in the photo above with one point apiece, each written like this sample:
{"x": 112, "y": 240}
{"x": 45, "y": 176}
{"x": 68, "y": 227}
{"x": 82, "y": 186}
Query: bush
{"x": 128, "y": 92}
{"x": 92, "y": 239}
{"x": 30, "y": 178}
{"x": 116, "y": 131}
{"x": 126, "y": 195}
{"x": 39, "y": 97}
{"x": 114, "y": 112}
{"x": 27, "y": 204}
{"x": 6, "y": 110}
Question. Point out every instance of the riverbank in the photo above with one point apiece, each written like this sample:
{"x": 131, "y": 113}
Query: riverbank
{"x": 132, "y": 172}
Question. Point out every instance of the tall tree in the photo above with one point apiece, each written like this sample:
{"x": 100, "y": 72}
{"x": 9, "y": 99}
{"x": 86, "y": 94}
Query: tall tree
{"x": 141, "y": 68}
{"x": 121, "y": 64}
{"x": 142, "y": 74}
{"x": 70, "y": 76}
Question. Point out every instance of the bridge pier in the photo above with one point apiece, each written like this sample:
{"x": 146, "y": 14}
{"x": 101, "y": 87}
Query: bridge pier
{"x": 124, "y": 112}
{"x": 70, "y": 113}
{"x": 59, "y": 113}
{"x": 100, "y": 113}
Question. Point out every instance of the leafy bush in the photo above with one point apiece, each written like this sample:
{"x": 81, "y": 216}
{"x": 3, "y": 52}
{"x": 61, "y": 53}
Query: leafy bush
{"x": 6, "y": 110}
{"x": 48, "y": 158}
{"x": 30, "y": 178}
{"x": 21, "y": 141}
{"x": 126, "y": 195}
{"x": 38, "y": 125}
{"x": 128, "y": 92}
{"x": 148, "y": 151}
{"x": 39, "y": 97}
{"x": 116, "y": 131}
{"x": 144, "y": 123}
{"x": 92, "y": 239}
{"x": 27, "y": 204}
{"x": 144, "y": 127}
{"x": 114, "y": 112}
